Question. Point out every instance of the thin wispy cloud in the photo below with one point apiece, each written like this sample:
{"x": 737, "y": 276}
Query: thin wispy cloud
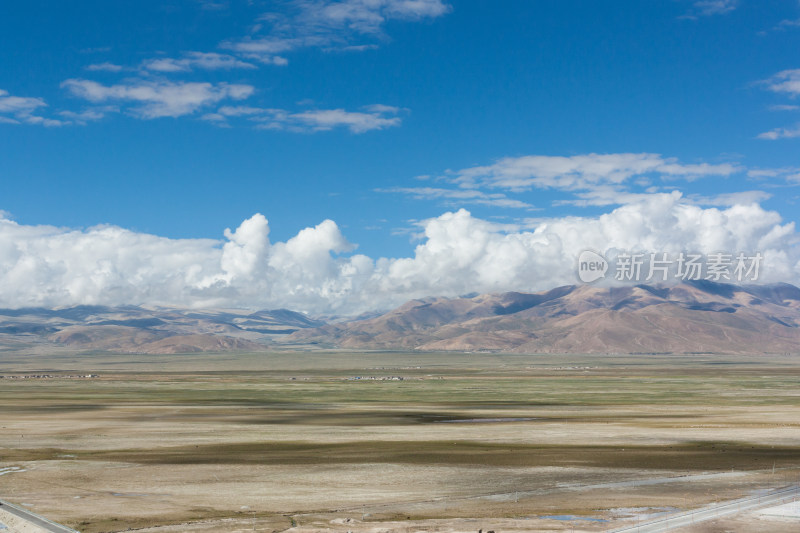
{"x": 707, "y": 8}
{"x": 325, "y": 24}
{"x": 19, "y": 104}
{"x": 730, "y": 198}
{"x": 23, "y": 110}
{"x": 105, "y": 67}
{"x": 788, "y": 23}
{"x": 776, "y": 176}
{"x": 196, "y": 60}
{"x": 786, "y": 82}
{"x": 154, "y": 99}
{"x": 329, "y": 25}
{"x": 211, "y": 5}
{"x": 781, "y": 133}
{"x": 589, "y": 179}
{"x": 458, "y": 196}
{"x": 93, "y": 114}
{"x": 369, "y": 118}
{"x": 784, "y": 107}
{"x": 356, "y": 122}
{"x": 580, "y": 171}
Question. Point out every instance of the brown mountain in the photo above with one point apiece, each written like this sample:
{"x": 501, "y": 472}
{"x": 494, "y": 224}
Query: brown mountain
{"x": 696, "y": 317}
{"x": 143, "y": 330}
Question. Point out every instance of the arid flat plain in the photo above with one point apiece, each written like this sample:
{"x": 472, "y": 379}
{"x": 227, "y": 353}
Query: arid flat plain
{"x": 339, "y": 442}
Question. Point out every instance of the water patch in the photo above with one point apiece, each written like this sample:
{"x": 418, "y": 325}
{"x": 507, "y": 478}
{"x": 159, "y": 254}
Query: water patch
{"x": 642, "y": 513}
{"x": 11, "y": 470}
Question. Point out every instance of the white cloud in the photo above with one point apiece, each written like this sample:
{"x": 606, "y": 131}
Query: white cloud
{"x": 373, "y": 117}
{"x": 210, "y": 5}
{"x": 196, "y": 60}
{"x": 579, "y": 172}
{"x": 44, "y": 121}
{"x": 462, "y": 196}
{"x": 91, "y": 114}
{"x": 21, "y": 109}
{"x": 316, "y": 270}
{"x": 603, "y": 196}
{"x": 714, "y": 7}
{"x": 787, "y": 175}
{"x": 795, "y": 23}
{"x": 104, "y": 67}
{"x": 786, "y": 81}
{"x": 366, "y": 16}
{"x": 381, "y": 109}
{"x": 356, "y": 122}
{"x": 329, "y": 25}
{"x": 780, "y": 133}
{"x": 782, "y": 107}
{"x": 732, "y": 198}
{"x": 154, "y": 99}
{"x": 18, "y": 104}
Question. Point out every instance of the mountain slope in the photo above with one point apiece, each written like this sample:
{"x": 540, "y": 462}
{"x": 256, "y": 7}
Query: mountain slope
{"x": 142, "y": 330}
{"x": 698, "y": 317}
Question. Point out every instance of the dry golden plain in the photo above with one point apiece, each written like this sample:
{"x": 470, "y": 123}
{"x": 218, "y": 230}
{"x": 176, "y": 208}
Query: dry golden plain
{"x": 294, "y": 441}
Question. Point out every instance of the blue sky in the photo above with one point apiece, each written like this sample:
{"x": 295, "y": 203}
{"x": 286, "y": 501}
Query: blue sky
{"x": 180, "y": 119}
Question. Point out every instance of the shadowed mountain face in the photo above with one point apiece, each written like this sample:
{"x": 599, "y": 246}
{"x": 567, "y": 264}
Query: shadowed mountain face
{"x": 697, "y": 317}
{"x": 139, "y": 330}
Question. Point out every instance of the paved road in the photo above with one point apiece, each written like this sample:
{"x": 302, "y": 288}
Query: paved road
{"x": 711, "y": 512}
{"x": 34, "y": 518}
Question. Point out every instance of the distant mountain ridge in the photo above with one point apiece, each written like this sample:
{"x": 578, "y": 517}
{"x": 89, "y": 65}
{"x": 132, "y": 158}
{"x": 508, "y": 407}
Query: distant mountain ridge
{"x": 693, "y": 317}
{"x": 142, "y": 330}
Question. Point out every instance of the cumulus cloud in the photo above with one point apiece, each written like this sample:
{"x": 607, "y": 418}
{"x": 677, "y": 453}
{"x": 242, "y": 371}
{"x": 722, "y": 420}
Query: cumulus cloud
{"x": 372, "y": 117}
{"x": 317, "y": 271}
{"x": 154, "y": 99}
{"x": 329, "y": 25}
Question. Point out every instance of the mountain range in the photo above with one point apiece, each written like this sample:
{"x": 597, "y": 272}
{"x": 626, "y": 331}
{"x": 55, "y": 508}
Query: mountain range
{"x": 693, "y": 317}
{"x": 144, "y": 330}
